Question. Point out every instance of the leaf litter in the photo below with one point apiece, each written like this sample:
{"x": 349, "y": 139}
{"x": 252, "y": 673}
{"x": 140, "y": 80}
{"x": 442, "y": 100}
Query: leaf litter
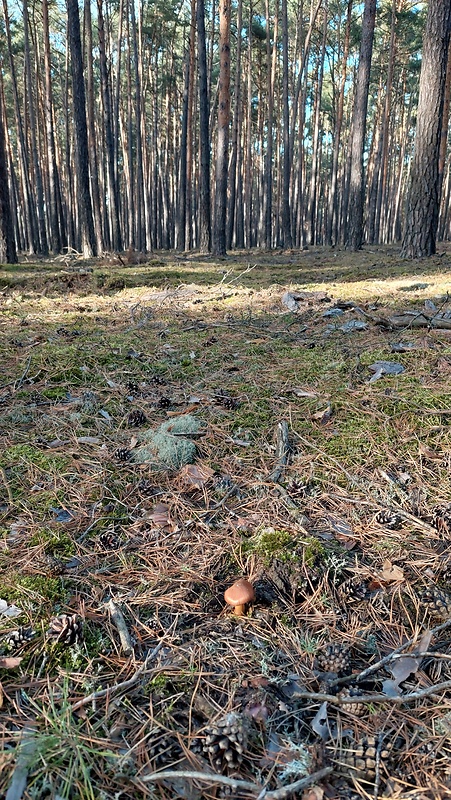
{"x": 150, "y": 673}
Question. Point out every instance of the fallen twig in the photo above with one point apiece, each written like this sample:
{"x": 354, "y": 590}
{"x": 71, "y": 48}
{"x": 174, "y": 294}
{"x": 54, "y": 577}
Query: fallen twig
{"x": 282, "y": 451}
{"x": 235, "y": 784}
{"x": 118, "y": 687}
{"x": 119, "y": 621}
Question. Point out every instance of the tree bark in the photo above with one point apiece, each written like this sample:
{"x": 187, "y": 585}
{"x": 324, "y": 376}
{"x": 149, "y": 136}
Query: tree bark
{"x": 219, "y": 246}
{"x": 354, "y": 233}
{"x": 54, "y": 220}
{"x": 204, "y": 136}
{"x": 423, "y": 199}
{"x": 286, "y": 212}
{"x": 88, "y": 240}
{"x": 8, "y": 253}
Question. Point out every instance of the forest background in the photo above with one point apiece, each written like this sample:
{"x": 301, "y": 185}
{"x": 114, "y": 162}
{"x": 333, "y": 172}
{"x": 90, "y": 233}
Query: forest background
{"x": 163, "y": 125}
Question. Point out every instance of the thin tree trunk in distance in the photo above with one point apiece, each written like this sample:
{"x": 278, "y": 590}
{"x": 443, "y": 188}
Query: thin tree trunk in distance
{"x": 7, "y": 245}
{"x": 204, "y": 136}
{"x": 286, "y": 212}
{"x": 223, "y": 129}
{"x": 55, "y": 231}
{"x": 354, "y": 236}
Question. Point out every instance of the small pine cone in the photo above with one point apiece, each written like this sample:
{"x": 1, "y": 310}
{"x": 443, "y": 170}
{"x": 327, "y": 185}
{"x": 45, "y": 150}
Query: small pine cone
{"x": 226, "y": 740}
{"x": 223, "y": 485}
{"x": 136, "y": 418}
{"x": 334, "y": 658}
{"x": 123, "y": 454}
{"x": 358, "y": 709}
{"x": 361, "y": 759}
{"x": 389, "y": 519}
{"x": 441, "y": 519}
{"x": 16, "y": 639}
{"x": 146, "y": 487}
{"x": 297, "y": 490}
{"x": 54, "y": 566}
{"x": 157, "y": 380}
{"x": 437, "y": 601}
{"x": 109, "y": 541}
{"x": 66, "y": 629}
{"x": 163, "y": 402}
{"x": 223, "y": 398}
{"x": 354, "y": 591}
{"x": 133, "y": 388}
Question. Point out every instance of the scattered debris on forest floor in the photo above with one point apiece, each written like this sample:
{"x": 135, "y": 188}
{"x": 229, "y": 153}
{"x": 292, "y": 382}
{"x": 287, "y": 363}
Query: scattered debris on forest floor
{"x": 319, "y": 470}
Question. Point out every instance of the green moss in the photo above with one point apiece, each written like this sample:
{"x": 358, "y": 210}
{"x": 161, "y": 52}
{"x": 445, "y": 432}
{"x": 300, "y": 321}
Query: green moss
{"x": 57, "y": 393}
{"x": 20, "y": 454}
{"x": 57, "y": 543}
{"x": 15, "y": 587}
{"x": 313, "y": 551}
{"x": 270, "y": 543}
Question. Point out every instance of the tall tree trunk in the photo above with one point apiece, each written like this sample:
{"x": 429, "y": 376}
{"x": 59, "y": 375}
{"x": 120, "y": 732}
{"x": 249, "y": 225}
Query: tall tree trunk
{"x": 354, "y": 233}
{"x": 204, "y": 136}
{"x": 423, "y": 198}
{"x": 313, "y": 194}
{"x": 43, "y": 246}
{"x": 30, "y": 209}
{"x": 90, "y": 109}
{"x": 286, "y": 212}
{"x": 88, "y": 240}
{"x": 140, "y": 244}
{"x": 7, "y": 244}
{"x": 54, "y": 220}
{"x": 233, "y": 178}
{"x": 332, "y": 218}
{"x": 248, "y": 156}
{"x": 271, "y": 61}
{"x": 222, "y": 151}
{"x": 111, "y": 154}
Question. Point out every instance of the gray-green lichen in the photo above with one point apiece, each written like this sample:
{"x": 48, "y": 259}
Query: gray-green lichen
{"x": 170, "y": 445}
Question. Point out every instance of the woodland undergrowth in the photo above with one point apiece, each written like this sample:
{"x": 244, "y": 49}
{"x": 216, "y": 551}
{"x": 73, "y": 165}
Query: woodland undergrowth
{"x": 319, "y": 475}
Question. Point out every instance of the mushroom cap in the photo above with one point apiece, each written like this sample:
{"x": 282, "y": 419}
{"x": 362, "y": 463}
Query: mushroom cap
{"x": 240, "y": 593}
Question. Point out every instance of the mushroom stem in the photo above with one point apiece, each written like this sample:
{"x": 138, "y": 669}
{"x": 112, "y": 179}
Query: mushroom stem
{"x": 239, "y": 610}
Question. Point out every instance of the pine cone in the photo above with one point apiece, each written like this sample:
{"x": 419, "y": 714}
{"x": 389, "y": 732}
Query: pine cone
{"x": 16, "y": 639}
{"x": 438, "y": 602}
{"x": 354, "y": 591}
{"x": 223, "y": 398}
{"x": 163, "y": 402}
{"x": 361, "y": 759}
{"x": 389, "y": 519}
{"x": 297, "y": 490}
{"x": 226, "y": 740}
{"x": 123, "y": 454}
{"x": 66, "y": 629}
{"x": 358, "y": 709}
{"x": 334, "y": 658}
{"x": 133, "y": 388}
{"x": 109, "y": 540}
{"x": 157, "y": 380}
{"x": 441, "y": 519}
{"x": 54, "y": 566}
{"x": 146, "y": 487}
{"x": 136, "y": 418}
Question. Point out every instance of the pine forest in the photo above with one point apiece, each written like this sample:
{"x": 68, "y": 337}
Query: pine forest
{"x": 167, "y": 125}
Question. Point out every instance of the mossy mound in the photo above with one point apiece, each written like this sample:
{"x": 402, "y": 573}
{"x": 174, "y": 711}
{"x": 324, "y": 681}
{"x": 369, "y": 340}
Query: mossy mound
{"x": 170, "y": 445}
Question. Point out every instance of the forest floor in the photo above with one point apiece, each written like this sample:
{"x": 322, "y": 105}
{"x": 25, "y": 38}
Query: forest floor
{"x": 318, "y": 473}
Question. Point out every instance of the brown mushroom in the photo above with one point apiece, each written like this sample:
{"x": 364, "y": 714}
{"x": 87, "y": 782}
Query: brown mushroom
{"x": 239, "y": 595}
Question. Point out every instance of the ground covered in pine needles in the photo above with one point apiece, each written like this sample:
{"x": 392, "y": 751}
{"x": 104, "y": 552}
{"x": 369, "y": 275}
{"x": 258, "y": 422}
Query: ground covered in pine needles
{"x": 317, "y": 390}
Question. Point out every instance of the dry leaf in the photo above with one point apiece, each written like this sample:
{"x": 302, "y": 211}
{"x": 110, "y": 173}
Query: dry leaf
{"x": 196, "y": 476}
{"x": 9, "y": 662}
{"x": 320, "y": 723}
{"x": 160, "y": 515}
{"x": 390, "y": 573}
{"x": 314, "y": 793}
{"x": 431, "y": 455}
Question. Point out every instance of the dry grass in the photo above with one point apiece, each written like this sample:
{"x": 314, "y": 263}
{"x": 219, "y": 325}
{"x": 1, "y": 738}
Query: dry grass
{"x": 88, "y": 721}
